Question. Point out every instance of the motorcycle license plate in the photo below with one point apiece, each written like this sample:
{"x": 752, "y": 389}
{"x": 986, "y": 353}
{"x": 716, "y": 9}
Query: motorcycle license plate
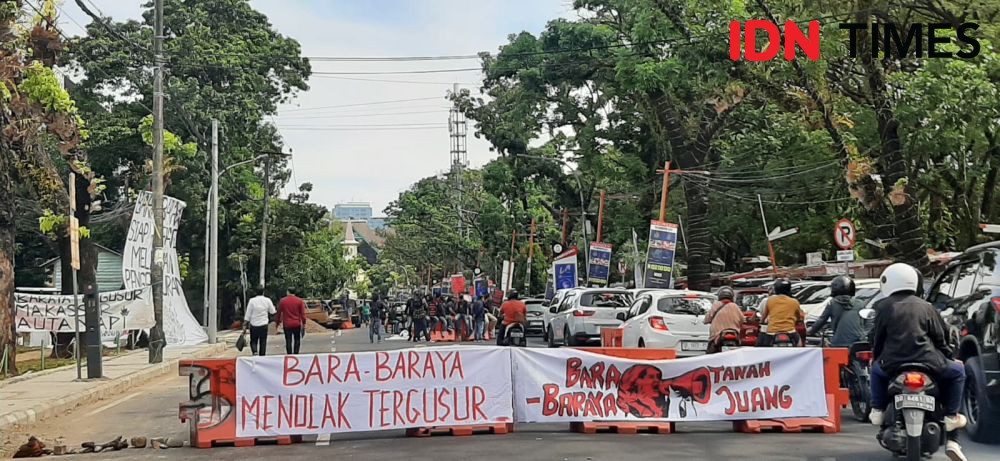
{"x": 729, "y": 348}
{"x": 516, "y": 334}
{"x": 694, "y": 345}
{"x": 919, "y": 401}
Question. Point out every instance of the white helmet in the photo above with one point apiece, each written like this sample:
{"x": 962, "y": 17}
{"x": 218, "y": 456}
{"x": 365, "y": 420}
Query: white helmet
{"x": 899, "y": 277}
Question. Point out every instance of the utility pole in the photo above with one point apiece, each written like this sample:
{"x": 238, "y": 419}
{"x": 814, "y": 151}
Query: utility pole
{"x": 156, "y": 340}
{"x": 600, "y": 217}
{"x": 213, "y": 270}
{"x": 263, "y": 225}
{"x": 666, "y": 186}
{"x": 457, "y": 129}
{"x": 564, "y": 227}
{"x": 531, "y": 253}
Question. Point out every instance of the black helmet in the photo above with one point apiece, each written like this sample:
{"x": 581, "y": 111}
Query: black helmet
{"x": 512, "y": 294}
{"x": 842, "y": 285}
{"x": 783, "y": 287}
{"x": 727, "y": 293}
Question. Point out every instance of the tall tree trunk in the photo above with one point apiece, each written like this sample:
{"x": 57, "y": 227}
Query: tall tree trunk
{"x": 699, "y": 239}
{"x": 8, "y": 335}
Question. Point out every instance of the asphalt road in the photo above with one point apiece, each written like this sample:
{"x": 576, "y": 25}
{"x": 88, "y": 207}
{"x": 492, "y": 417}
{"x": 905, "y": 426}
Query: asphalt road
{"x": 152, "y": 411}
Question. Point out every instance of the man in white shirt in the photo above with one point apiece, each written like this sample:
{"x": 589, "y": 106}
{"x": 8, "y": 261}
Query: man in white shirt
{"x": 258, "y": 309}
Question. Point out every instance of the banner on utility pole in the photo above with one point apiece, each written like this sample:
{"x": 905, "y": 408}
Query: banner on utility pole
{"x": 565, "y": 270}
{"x": 600, "y": 264}
{"x": 660, "y": 255}
{"x": 507, "y": 278}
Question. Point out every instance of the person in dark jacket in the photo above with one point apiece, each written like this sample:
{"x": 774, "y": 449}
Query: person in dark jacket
{"x": 479, "y": 317}
{"x": 416, "y": 308}
{"x": 843, "y": 312}
{"x": 377, "y": 317}
{"x": 909, "y": 330}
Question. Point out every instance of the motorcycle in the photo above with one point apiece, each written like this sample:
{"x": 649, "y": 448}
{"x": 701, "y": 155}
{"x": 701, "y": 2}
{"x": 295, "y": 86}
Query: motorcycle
{"x": 729, "y": 340}
{"x": 856, "y": 377}
{"x": 914, "y": 423}
{"x": 516, "y": 335}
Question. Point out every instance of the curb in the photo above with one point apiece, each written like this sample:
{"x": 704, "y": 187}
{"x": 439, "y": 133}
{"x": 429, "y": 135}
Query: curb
{"x": 49, "y": 371}
{"x": 48, "y": 409}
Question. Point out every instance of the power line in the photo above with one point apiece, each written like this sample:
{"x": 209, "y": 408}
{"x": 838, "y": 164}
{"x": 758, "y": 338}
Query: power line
{"x": 374, "y": 125}
{"x": 359, "y": 104}
{"x": 365, "y": 129}
{"x": 379, "y": 80}
{"x": 383, "y": 114}
{"x": 401, "y": 72}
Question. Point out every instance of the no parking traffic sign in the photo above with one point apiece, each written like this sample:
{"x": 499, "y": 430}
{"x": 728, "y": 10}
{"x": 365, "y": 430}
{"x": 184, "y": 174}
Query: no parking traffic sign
{"x": 844, "y": 234}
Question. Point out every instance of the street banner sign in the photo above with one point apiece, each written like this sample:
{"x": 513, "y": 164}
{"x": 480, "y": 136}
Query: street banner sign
{"x": 507, "y": 278}
{"x": 74, "y": 242}
{"x": 845, "y": 255}
{"x": 844, "y": 234}
{"x": 371, "y": 391}
{"x": 600, "y": 263}
{"x": 660, "y": 255}
{"x": 482, "y": 289}
{"x": 458, "y": 284}
{"x": 566, "y": 385}
{"x": 565, "y": 269}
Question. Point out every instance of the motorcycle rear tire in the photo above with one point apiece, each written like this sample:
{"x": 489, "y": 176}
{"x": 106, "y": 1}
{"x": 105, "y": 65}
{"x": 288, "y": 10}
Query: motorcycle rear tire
{"x": 913, "y": 451}
{"x": 861, "y": 403}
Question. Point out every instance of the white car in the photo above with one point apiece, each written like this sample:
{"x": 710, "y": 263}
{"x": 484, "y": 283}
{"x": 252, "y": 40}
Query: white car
{"x": 582, "y": 314}
{"x": 669, "y": 319}
{"x": 865, "y": 291}
{"x": 548, "y": 313}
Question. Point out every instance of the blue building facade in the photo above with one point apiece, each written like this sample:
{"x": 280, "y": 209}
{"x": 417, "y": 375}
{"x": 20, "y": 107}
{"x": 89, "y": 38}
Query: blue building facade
{"x": 359, "y": 211}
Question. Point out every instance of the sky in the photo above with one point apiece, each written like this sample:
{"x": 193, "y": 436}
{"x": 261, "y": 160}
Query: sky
{"x": 343, "y": 151}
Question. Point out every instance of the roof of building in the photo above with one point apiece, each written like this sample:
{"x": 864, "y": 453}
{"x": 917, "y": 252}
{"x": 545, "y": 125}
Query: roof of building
{"x": 349, "y": 233}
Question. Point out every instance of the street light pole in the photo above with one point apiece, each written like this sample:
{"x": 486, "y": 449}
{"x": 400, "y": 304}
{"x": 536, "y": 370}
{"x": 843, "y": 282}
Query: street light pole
{"x": 213, "y": 271}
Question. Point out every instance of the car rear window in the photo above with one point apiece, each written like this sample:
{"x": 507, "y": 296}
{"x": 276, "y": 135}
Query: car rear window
{"x": 608, "y": 299}
{"x": 686, "y": 305}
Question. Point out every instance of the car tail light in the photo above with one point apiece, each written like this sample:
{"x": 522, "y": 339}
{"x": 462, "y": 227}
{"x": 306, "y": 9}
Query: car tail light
{"x": 782, "y": 338}
{"x": 583, "y": 313}
{"x": 692, "y": 297}
{"x": 914, "y": 381}
{"x": 965, "y": 331}
{"x": 729, "y": 337}
{"x": 996, "y": 304}
{"x": 864, "y": 356}
{"x": 657, "y": 324}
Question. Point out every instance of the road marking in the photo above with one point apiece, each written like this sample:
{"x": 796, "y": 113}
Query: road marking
{"x": 323, "y": 440}
{"x": 112, "y": 404}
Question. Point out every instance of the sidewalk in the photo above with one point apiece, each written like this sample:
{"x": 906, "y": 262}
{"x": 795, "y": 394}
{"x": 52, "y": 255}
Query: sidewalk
{"x": 42, "y": 396}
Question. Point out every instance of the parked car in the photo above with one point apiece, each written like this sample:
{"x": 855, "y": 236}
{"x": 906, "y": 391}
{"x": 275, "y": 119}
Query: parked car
{"x": 968, "y": 295}
{"x": 582, "y": 314}
{"x": 547, "y": 313}
{"x": 670, "y": 319}
{"x": 813, "y": 306}
{"x": 535, "y": 316}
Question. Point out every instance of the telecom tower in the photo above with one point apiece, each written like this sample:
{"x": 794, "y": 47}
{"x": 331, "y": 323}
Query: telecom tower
{"x": 459, "y": 157}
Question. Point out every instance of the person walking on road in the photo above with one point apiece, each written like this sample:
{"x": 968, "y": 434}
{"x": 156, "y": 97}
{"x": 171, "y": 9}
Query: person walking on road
{"x": 375, "y": 325}
{"x": 479, "y": 318}
{"x": 292, "y": 318}
{"x": 417, "y": 309}
{"x": 366, "y": 312}
{"x": 258, "y": 309}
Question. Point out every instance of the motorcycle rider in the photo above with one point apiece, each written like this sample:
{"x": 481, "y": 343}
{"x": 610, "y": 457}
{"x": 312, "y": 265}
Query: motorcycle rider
{"x": 781, "y": 313}
{"x": 844, "y": 313}
{"x": 513, "y": 311}
{"x": 725, "y": 315}
{"x": 909, "y": 330}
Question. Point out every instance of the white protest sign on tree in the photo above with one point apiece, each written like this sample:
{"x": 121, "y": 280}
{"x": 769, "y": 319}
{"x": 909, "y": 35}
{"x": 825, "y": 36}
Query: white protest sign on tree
{"x": 371, "y": 391}
{"x": 124, "y": 309}
{"x": 179, "y": 326}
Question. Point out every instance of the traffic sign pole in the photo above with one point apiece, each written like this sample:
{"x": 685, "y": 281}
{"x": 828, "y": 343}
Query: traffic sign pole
{"x": 845, "y": 235}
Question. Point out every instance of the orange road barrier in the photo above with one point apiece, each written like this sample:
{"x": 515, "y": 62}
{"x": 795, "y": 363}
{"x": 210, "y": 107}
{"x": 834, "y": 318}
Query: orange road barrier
{"x": 209, "y": 412}
{"x": 611, "y": 337}
{"x": 347, "y": 325}
{"x": 461, "y": 431}
{"x": 836, "y": 398}
{"x": 621, "y": 427}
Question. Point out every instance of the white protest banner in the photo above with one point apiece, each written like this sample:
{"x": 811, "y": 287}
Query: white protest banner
{"x": 370, "y": 391}
{"x": 124, "y": 309}
{"x": 552, "y": 385}
{"x": 179, "y": 326}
